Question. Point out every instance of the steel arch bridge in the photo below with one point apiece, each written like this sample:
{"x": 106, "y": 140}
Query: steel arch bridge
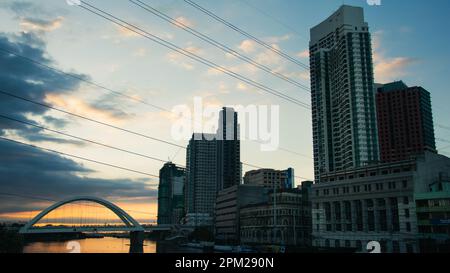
{"x": 131, "y": 224}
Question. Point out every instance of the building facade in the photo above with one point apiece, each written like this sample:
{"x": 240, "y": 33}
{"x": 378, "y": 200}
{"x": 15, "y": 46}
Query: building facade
{"x": 271, "y": 178}
{"x": 405, "y": 121}
{"x": 229, "y": 202}
{"x": 229, "y": 149}
{"x": 375, "y": 203}
{"x": 171, "y": 194}
{"x": 342, "y": 93}
{"x": 283, "y": 220}
{"x": 433, "y": 217}
{"x": 201, "y": 178}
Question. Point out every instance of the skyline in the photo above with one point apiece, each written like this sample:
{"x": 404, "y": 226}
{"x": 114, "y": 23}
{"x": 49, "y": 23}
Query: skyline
{"x": 114, "y": 57}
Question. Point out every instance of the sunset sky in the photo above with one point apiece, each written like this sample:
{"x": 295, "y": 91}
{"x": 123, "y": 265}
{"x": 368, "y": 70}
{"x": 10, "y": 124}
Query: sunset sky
{"x": 410, "y": 42}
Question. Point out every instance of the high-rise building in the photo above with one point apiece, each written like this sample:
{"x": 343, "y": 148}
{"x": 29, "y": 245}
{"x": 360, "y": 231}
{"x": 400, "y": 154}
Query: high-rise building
{"x": 213, "y": 164}
{"x": 270, "y": 178}
{"x": 405, "y": 121}
{"x": 171, "y": 194}
{"x": 201, "y": 178}
{"x": 342, "y": 91}
{"x": 229, "y": 150}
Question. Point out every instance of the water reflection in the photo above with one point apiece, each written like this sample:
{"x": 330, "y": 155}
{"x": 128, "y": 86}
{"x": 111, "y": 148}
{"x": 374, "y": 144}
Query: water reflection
{"x": 89, "y": 245}
{"x": 105, "y": 245}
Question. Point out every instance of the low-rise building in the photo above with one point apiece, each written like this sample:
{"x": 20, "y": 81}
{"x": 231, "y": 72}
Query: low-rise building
{"x": 284, "y": 220}
{"x": 374, "y": 203}
{"x": 433, "y": 217}
{"x": 271, "y": 178}
{"x": 229, "y": 202}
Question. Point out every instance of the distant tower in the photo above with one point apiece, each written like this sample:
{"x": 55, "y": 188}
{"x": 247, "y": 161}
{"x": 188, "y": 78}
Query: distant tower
{"x": 171, "y": 194}
{"x": 342, "y": 92}
{"x": 405, "y": 121}
{"x": 229, "y": 149}
{"x": 201, "y": 176}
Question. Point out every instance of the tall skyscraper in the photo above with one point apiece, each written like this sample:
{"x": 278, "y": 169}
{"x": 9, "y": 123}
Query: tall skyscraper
{"x": 342, "y": 91}
{"x": 405, "y": 121}
{"x": 201, "y": 177}
{"x": 229, "y": 150}
{"x": 171, "y": 194}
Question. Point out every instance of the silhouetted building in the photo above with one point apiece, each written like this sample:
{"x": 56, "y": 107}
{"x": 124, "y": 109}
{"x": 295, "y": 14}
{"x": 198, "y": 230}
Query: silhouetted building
{"x": 375, "y": 203}
{"x": 285, "y": 219}
{"x": 229, "y": 150}
{"x": 271, "y": 178}
{"x": 229, "y": 202}
{"x": 405, "y": 121}
{"x": 171, "y": 194}
{"x": 433, "y": 216}
{"x": 342, "y": 90}
{"x": 201, "y": 178}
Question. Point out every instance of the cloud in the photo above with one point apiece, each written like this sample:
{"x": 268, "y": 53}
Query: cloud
{"x": 183, "y": 22}
{"x": 24, "y": 8}
{"x": 183, "y": 61}
{"x": 81, "y": 107}
{"x": 241, "y": 86}
{"x": 303, "y": 54}
{"x": 269, "y": 57}
{"x": 125, "y": 32}
{"x": 140, "y": 52}
{"x": 277, "y": 39}
{"x": 247, "y": 46}
{"x": 387, "y": 69}
{"x": 41, "y": 25}
{"x": 33, "y": 172}
{"x": 28, "y": 80}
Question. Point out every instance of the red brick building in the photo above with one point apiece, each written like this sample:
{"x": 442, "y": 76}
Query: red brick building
{"x": 405, "y": 121}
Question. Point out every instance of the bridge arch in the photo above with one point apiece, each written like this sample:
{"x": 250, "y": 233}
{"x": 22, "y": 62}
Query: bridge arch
{"x": 130, "y": 222}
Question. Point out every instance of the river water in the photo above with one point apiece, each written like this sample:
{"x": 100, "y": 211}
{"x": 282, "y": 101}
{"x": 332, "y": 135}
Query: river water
{"x": 99, "y": 245}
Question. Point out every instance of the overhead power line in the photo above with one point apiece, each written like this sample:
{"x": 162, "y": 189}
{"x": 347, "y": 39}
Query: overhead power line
{"x": 84, "y": 139}
{"x": 246, "y": 34}
{"x": 45, "y": 66}
{"x": 74, "y": 76}
{"x": 79, "y": 157}
{"x": 102, "y": 123}
{"x": 89, "y": 119}
{"x": 217, "y": 44}
{"x": 193, "y": 56}
{"x": 263, "y": 12}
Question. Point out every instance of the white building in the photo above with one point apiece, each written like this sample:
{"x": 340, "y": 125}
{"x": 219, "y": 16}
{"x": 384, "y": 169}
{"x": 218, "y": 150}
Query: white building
{"x": 342, "y": 91}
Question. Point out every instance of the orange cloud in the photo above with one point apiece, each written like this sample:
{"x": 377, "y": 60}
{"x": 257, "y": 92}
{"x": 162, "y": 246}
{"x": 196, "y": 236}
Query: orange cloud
{"x": 41, "y": 25}
{"x": 183, "y": 22}
{"x": 387, "y": 69}
{"x": 247, "y": 46}
{"x": 80, "y": 107}
{"x": 125, "y": 32}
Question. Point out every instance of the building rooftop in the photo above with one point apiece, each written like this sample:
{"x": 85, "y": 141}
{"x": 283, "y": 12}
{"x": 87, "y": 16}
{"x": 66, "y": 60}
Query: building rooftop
{"x": 345, "y": 15}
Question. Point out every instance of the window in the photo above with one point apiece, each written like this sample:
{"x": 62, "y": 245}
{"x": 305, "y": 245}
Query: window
{"x": 407, "y": 213}
{"x": 395, "y": 247}
{"x": 408, "y": 227}
{"x": 405, "y": 184}
{"x": 405, "y": 200}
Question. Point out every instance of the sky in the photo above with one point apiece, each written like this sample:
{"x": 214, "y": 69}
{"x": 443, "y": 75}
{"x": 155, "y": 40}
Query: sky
{"x": 410, "y": 43}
